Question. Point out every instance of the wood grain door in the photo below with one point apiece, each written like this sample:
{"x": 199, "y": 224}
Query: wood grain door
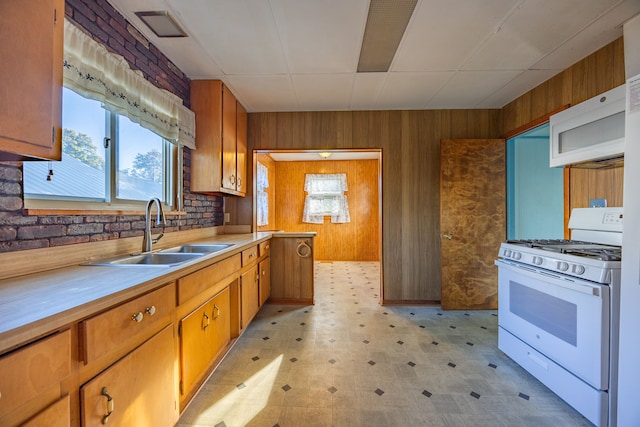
{"x": 472, "y": 221}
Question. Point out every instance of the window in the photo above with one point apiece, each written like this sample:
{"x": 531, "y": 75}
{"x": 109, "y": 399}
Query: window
{"x": 106, "y": 158}
{"x": 121, "y": 135}
{"x": 325, "y": 197}
{"x": 262, "y": 183}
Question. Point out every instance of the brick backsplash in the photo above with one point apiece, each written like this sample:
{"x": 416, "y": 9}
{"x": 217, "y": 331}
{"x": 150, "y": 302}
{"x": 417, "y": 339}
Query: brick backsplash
{"x": 19, "y": 231}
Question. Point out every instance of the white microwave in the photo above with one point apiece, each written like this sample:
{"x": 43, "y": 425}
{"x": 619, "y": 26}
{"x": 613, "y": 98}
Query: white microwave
{"x": 590, "y": 131}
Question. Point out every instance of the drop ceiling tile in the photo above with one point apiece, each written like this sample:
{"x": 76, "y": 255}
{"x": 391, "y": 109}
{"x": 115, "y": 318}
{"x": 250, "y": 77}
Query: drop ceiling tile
{"x": 410, "y": 91}
{"x": 263, "y": 93}
{"x": 323, "y": 92}
{"x": 517, "y": 86}
{"x": 437, "y": 25}
{"x": 528, "y": 33}
{"x": 466, "y": 89}
{"x": 239, "y": 35}
{"x": 321, "y": 36}
{"x": 366, "y": 89}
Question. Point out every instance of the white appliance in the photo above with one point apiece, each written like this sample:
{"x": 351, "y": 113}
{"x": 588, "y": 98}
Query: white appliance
{"x": 591, "y": 131}
{"x": 629, "y": 378}
{"x": 558, "y": 303}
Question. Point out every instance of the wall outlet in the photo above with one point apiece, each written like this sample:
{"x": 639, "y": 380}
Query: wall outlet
{"x": 227, "y": 217}
{"x": 598, "y": 203}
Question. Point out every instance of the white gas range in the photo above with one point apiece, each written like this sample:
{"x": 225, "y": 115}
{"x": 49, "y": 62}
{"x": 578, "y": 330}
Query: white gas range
{"x": 558, "y": 306}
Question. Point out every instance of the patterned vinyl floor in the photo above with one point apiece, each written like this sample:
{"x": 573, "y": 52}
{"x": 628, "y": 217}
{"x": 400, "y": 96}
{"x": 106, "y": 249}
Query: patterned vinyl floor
{"x": 347, "y": 361}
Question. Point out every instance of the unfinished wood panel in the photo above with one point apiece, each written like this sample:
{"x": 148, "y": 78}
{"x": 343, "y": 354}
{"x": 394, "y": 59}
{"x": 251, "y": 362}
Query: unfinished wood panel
{"x": 587, "y": 184}
{"x": 473, "y": 221}
{"x": 411, "y": 247}
{"x": 270, "y": 164}
{"x": 358, "y": 240}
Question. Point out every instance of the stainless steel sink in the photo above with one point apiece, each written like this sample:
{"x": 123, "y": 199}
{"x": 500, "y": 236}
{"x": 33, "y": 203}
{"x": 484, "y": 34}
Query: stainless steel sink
{"x": 196, "y": 248}
{"x": 161, "y": 259}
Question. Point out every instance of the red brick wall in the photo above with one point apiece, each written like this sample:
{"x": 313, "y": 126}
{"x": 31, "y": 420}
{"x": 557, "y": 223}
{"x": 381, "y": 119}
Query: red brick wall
{"x": 20, "y": 231}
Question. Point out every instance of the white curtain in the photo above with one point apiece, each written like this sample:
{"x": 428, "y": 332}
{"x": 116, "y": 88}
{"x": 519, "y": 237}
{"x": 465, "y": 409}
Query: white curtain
{"x": 325, "y": 197}
{"x": 95, "y": 73}
{"x": 262, "y": 182}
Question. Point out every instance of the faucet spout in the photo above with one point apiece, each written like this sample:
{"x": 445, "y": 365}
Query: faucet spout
{"x": 148, "y": 241}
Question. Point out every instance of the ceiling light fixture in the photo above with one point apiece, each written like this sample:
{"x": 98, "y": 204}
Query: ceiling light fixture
{"x": 325, "y": 155}
{"x": 161, "y": 23}
{"x": 386, "y": 23}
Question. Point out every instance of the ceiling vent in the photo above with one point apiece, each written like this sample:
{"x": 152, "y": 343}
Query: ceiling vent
{"x": 386, "y": 23}
{"x": 161, "y": 23}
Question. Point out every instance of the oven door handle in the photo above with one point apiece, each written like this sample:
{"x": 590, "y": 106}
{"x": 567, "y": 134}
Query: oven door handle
{"x": 567, "y": 283}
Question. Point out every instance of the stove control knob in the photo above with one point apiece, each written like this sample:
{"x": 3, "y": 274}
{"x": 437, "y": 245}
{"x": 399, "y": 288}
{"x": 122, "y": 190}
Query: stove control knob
{"x": 537, "y": 260}
{"x": 517, "y": 255}
{"x": 578, "y": 269}
{"x": 563, "y": 266}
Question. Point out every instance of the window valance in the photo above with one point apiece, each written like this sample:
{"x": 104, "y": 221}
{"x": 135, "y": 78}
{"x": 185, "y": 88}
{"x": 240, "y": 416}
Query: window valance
{"x": 95, "y": 73}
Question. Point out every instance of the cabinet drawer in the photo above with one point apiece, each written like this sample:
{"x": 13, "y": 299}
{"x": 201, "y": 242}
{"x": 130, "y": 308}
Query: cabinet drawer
{"x": 108, "y": 331}
{"x": 27, "y": 372}
{"x": 195, "y": 283}
{"x": 264, "y": 248}
{"x": 56, "y": 415}
{"x": 249, "y": 255}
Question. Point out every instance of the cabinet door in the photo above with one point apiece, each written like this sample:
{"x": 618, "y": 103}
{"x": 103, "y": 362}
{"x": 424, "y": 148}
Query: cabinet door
{"x": 56, "y": 415}
{"x": 229, "y": 175}
{"x": 221, "y": 321}
{"x": 249, "y": 295}
{"x": 196, "y": 345}
{"x": 206, "y": 161}
{"x": 138, "y": 390}
{"x": 265, "y": 280}
{"x": 31, "y": 73}
{"x": 241, "y": 149}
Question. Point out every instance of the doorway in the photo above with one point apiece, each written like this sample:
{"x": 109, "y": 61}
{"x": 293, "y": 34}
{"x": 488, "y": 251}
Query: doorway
{"x": 279, "y": 200}
{"x": 535, "y": 191}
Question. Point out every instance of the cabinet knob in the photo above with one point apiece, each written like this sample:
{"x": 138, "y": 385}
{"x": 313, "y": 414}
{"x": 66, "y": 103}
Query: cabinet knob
{"x": 105, "y": 417}
{"x": 151, "y": 310}
{"x": 137, "y": 317}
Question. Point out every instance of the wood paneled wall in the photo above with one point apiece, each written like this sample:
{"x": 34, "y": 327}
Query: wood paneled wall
{"x": 410, "y": 144}
{"x": 358, "y": 240}
{"x": 597, "y": 73}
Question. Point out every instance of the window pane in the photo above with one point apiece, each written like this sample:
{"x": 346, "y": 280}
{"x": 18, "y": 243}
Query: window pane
{"x": 139, "y": 162}
{"x": 81, "y": 173}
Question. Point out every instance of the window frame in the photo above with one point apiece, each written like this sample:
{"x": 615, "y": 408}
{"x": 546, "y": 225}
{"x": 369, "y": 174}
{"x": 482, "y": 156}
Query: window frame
{"x": 171, "y": 187}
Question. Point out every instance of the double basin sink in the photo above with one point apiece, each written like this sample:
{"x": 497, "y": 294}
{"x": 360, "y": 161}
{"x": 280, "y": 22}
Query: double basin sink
{"x": 163, "y": 258}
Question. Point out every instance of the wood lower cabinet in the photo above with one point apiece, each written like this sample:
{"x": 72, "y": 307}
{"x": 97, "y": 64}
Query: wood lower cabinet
{"x": 138, "y": 390}
{"x": 264, "y": 267}
{"x": 292, "y": 269}
{"x": 31, "y": 73}
{"x": 56, "y": 415}
{"x": 204, "y": 333}
{"x": 249, "y": 288}
{"x": 31, "y": 377}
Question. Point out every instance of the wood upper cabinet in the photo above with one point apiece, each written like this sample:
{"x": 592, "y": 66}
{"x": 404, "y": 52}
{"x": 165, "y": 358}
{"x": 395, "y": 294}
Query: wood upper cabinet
{"x": 204, "y": 333}
{"x": 137, "y": 390}
{"x": 218, "y": 165}
{"x": 31, "y": 74}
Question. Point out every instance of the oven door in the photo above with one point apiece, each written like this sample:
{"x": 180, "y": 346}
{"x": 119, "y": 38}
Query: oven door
{"x": 565, "y": 319}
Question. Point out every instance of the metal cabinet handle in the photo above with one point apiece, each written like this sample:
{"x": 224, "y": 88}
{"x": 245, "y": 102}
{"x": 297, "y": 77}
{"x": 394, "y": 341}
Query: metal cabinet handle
{"x": 151, "y": 310}
{"x": 233, "y": 179}
{"x": 215, "y": 307}
{"x": 137, "y": 317}
{"x": 105, "y": 417}
{"x": 303, "y": 249}
{"x": 239, "y": 183}
{"x": 205, "y": 325}
{"x": 447, "y": 236}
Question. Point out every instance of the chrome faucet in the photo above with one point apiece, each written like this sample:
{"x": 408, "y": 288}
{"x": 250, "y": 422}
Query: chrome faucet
{"x": 147, "y": 241}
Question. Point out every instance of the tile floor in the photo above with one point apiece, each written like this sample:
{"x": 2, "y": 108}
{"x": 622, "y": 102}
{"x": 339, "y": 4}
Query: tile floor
{"x": 347, "y": 361}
